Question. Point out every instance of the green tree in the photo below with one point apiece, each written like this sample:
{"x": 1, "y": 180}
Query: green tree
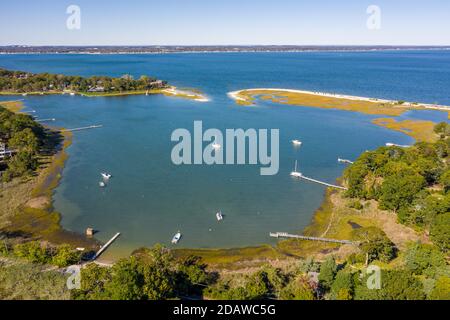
{"x": 24, "y": 140}
{"x": 440, "y": 231}
{"x": 374, "y": 244}
{"x": 93, "y": 280}
{"x": 444, "y": 179}
{"x": 399, "y": 190}
{"x": 33, "y": 251}
{"x": 424, "y": 259}
{"x": 343, "y": 286}
{"x": 442, "y": 129}
{"x": 395, "y": 285}
{"x": 298, "y": 289}
{"x": 20, "y": 164}
{"x": 65, "y": 256}
{"x": 328, "y": 271}
{"x": 126, "y": 281}
{"x": 441, "y": 290}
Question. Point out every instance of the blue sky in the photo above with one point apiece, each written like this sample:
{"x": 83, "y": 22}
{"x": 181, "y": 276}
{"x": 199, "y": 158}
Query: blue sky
{"x": 209, "y": 22}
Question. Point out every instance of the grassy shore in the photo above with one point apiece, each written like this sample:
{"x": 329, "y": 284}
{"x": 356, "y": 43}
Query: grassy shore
{"x": 26, "y": 209}
{"x": 330, "y": 101}
{"x": 418, "y": 129}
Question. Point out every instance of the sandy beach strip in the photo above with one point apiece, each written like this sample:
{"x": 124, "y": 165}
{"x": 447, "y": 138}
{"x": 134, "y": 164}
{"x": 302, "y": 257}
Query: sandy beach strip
{"x": 189, "y": 94}
{"x": 236, "y": 95}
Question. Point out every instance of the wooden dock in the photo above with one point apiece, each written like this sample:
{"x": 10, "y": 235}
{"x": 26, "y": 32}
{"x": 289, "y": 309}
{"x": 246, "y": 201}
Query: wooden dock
{"x": 105, "y": 246}
{"x": 45, "y": 120}
{"x": 323, "y": 183}
{"x": 83, "y": 128}
{"x": 295, "y": 236}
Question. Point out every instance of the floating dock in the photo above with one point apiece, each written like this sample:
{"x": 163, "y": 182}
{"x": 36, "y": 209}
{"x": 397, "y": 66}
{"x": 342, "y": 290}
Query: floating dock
{"x": 288, "y": 235}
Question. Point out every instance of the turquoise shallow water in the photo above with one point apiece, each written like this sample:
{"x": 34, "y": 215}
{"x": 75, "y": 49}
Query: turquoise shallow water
{"x": 149, "y": 198}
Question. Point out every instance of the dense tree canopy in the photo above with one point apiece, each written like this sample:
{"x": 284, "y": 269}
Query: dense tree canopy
{"x": 22, "y": 82}
{"x": 414, "y": 182}
{"x": 21, "y": 134}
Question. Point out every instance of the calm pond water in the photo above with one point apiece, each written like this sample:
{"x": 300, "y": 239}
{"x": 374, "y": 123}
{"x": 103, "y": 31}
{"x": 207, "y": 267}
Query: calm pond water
{"x": 149, "y": 198}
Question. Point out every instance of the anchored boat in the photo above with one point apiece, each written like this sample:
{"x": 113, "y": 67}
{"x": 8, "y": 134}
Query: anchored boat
{"x": 106, "y": 175}
{"x": 219, "y": 216}
{"x": 176, "y": 237}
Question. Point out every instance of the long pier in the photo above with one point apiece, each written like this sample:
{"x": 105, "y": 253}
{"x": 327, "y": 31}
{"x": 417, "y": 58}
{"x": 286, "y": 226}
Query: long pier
{"x": 83, "y": 128}
{"x": 288, "y": 235}
{"x": 45, "y": 120}
{"x": 105, "y": 246}
{"x": 321, "y": 182}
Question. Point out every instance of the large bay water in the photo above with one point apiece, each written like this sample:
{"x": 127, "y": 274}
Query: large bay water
{"x": 149, "y": 198}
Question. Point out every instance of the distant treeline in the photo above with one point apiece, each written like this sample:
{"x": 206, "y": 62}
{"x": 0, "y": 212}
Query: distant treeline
{"x": 202, "y": 48}
{"x": 26, "y": 82}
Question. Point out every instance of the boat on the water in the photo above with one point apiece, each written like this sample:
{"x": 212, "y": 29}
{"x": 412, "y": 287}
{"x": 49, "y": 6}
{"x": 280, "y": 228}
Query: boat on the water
{"x": 216, "y": 146}
{"x": 102, "y": 184}
{"x": 219, "y": 216}
{"x": 106, "y": 175}
{"x": 176, "y": 237}
{"x": 296, "y": 142}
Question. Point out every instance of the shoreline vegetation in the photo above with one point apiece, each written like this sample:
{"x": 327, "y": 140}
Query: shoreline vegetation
{"x": 26, "y": 201}
{"x": 13, "y": 83}
{"x": 395, "y": 231}
{"x": 221, "y": 258}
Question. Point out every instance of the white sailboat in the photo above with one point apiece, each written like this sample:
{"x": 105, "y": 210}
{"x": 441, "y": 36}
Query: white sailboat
{"x": 295, "y": 173}
{"x": 176, "y": 237}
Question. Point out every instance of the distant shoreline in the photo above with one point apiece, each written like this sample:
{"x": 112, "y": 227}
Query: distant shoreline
{"x": 171, "y": 91}
{"x": 117, "y": 50}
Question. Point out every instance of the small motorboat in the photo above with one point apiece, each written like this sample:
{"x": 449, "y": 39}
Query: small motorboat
{"x": 106, "y": 175}
{"x": 102, "y": 184}
{"x": 216, "y": 146}
{"x": 219, "y": 216}
{"x": 296, "y": 142}
{"x": 176, "y": 237}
